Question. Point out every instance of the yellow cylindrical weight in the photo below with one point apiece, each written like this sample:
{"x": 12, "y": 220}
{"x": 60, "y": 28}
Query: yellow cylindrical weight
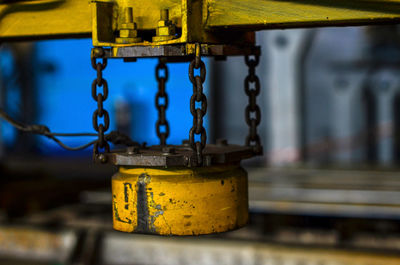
{"x": 180, "y": 201}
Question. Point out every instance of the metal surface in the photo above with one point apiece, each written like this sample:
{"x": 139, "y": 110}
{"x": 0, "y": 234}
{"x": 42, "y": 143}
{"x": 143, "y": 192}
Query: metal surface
{"x": 291, "y": 235}
{"x": 44, "y": 19}
{"x": 179, "y": 50}
{"x": 198, "y": 21}
{"x": 287, "y": 53}
{"x": 27, "y": 245}
{"x": 255, "y": 14}
{"x": 210, "y": 252}
{"x": 180, "y": 201}
{"x": 342, "y": 193}
{"x": 36, "y": 244}
{"x": 174, "y": 156}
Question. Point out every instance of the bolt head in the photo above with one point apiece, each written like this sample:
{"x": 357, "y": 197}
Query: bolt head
{"x": 102, "y": 158}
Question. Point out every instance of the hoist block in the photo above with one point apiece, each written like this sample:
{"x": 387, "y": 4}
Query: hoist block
{"x": 180, "y": 201}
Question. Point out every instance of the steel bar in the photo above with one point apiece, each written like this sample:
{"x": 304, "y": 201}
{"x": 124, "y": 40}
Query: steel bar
{"x": 256, "y": 14}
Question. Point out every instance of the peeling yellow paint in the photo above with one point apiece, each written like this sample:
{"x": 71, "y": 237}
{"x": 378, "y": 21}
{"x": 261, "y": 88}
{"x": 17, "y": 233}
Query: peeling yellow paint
{"x": 181, "y": 201}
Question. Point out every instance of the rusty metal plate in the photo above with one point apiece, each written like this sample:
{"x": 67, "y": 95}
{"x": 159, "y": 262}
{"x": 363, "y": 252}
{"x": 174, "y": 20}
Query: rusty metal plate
{"x": 179, "y": 50}
{"x": 179, "y": 155}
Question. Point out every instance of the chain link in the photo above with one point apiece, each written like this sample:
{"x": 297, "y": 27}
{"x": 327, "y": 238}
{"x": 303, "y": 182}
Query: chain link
{"x": 253, "y": 112}
{"x": 100, "y": 112}
{"x": 162, "y": 106}
{"x": 198, "y": 113}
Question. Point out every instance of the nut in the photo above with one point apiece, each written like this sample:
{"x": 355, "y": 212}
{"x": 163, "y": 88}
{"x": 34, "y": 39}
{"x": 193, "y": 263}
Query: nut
{"x": 163, "y": 23}
{"x": 165, "y": 31}
{"x": 127, "y": 33}
{"x": 130, "y": 25}
{"x": 128, "y": 40}
{"x": 162, "y": 38}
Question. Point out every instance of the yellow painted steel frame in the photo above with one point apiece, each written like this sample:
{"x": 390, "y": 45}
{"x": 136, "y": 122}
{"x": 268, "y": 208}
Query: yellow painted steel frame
{"x": 265, "y": 14}
{"x": 145, "y": 15}
{"x": 180, "y": 201}
{"x": 44, "y": 19}
{"x": 205, "y": 21}
{"x": 185, "y": 14}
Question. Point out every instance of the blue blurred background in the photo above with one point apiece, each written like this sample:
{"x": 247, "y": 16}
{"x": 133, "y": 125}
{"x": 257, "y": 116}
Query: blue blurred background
{"x": 64, "y": 76}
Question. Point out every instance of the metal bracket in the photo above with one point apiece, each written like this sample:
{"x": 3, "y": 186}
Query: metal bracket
{"x": 180, "y": 50}
{"x": 179, "y": 155}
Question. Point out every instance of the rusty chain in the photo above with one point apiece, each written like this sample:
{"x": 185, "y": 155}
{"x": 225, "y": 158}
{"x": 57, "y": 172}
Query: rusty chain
{"x": 253, "y": 112}
{"x": 198, "y": 113}
{"x": 161, "y": 102}
{"x": 100, "y": 112}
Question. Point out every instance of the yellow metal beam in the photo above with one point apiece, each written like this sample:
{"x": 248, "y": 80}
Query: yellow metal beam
{"x": 45, "y": 19}
{"x": 264, "y": 14}
{"x": 39, "y": 19}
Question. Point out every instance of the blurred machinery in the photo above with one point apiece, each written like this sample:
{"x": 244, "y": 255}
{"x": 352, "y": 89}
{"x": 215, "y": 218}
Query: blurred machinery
{"x": 196, "y": 188}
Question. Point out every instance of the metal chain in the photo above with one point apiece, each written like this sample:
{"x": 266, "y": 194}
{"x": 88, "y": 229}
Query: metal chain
{"x": 198, "y": 113}
{"x": 253, "y": 112}
{"x": 162, "y": 106}
{"x": 100, "y": 112}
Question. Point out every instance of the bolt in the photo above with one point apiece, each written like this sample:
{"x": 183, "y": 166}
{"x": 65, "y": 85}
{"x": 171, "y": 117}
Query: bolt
{"x": 222, "y": 142}
{"x": 127, "y": 28}
{"x": 128, "y": 15}
{"x": 164, "y": 14}
{"x": 131, "y": 150}
{"x": 98, "y": 52}
{"x": 102, "y": 158}
{"x": 168, "y": 150}
{"x": 165, "y": 28}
